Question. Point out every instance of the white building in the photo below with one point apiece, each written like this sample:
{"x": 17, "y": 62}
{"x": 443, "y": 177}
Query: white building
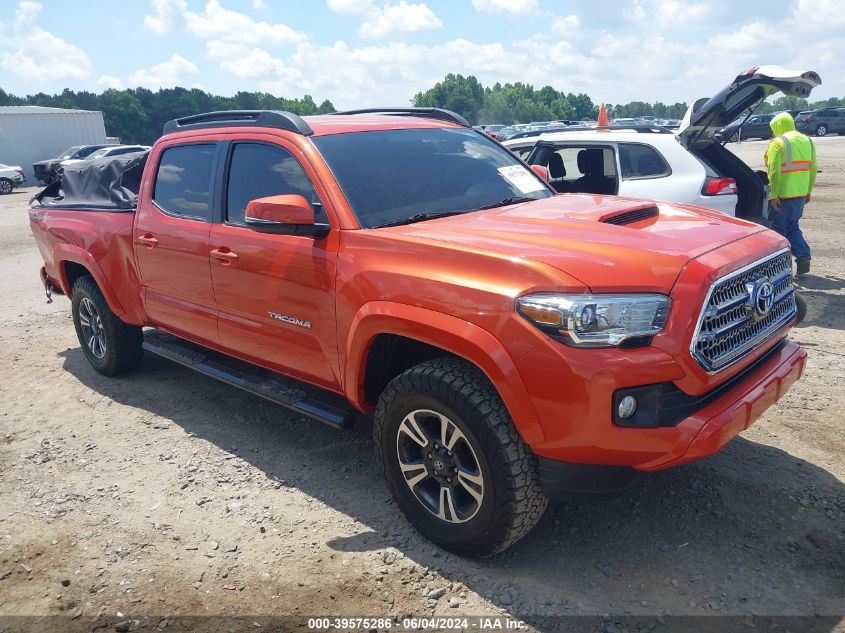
{"x": 29, "y": 134}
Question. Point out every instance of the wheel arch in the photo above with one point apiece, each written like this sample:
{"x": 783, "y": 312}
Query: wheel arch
{"x": 428, "y": 334}
{"x": 73, "y": 262}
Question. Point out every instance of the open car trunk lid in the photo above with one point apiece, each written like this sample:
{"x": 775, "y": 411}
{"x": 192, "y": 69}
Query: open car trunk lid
{"x": 705, "y": 117}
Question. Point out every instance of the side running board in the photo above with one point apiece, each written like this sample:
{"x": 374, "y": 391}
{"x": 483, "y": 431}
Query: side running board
{"x": 319, "y": 405}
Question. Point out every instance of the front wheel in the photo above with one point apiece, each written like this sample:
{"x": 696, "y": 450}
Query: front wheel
{"x": 110, "y": 345}
{"x": 821, "y": 130}
{"x": 454, "y": 461}
{"x": 6, "y": 186}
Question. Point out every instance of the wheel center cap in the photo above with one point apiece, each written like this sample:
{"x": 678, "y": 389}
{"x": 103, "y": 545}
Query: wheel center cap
{"x": 439, "y": 465}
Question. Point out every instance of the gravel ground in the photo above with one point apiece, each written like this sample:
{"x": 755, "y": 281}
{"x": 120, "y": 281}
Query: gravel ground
{"x": 141, "y": 502}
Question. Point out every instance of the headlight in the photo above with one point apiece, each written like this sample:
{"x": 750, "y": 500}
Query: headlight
{"x": 596, "y": 320}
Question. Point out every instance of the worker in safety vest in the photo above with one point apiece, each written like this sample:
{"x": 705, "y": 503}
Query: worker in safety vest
{"x": 791, "y": 161}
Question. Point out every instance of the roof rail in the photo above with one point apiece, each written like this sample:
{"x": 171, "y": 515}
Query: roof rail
{"x": 642, "y": 129}
{"x": 429, "y": 113}
{"x": 278, "y": 119}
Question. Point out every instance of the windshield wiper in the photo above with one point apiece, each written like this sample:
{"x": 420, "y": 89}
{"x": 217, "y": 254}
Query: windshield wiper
{"x": 417, "y": 217}
{"x": 506, "y": 202}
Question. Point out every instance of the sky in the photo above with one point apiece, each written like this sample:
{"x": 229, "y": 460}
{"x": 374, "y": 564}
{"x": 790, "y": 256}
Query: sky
{"x": 361, "y": 53}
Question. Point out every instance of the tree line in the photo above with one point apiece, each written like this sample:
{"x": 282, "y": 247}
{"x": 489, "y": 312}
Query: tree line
{"x": 521, "y": 103}
{"x": 137, "y": 115}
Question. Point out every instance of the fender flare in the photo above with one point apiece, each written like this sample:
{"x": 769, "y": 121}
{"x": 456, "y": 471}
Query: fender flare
{"x": 70, "y": 253}
{"x": 450, "y": 333}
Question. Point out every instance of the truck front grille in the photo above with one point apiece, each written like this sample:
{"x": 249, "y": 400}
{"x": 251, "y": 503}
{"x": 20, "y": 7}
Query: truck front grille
{"x": 744, "y": 309}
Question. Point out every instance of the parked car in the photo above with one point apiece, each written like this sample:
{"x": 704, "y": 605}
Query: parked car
{"x": 510, "y": 345}
{"x": 46, "y": 170}
{"x": 821, "y": 122}
{"x": 756, "y": 126}
{"x": 637, "y": 161}
{"x": 104, "y": 152}
{"x": 690, "y": 166}
{"x": 11, "y": 177}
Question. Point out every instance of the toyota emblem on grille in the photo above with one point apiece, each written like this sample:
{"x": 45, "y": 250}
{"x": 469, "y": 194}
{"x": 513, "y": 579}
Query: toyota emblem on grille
{"x": 761, "y": 298}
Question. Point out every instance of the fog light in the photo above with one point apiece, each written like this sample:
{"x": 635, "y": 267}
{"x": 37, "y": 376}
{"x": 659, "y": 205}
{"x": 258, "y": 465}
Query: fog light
{"x": 627, "y": 407}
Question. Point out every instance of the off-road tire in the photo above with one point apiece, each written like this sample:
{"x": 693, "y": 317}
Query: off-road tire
{"x": 6, "y": 186}
{"x": 821, "y": 130}
{"x": 513, "y": 501}
{"x": 122, "y": 342}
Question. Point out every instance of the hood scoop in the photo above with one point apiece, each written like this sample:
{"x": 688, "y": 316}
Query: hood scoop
{"x": 629, "y": 216}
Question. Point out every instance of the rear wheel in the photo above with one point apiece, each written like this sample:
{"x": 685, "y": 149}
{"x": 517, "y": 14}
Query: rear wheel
{"x": 453, "y": 459}
{"x": 821, "y": 130}
{"x": 110, "y": 345}
{"x": 6, "y": 186}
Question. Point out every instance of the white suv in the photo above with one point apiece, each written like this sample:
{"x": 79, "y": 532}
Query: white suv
{"x": 639, "y": 162}
{"x": 690, "y": 166}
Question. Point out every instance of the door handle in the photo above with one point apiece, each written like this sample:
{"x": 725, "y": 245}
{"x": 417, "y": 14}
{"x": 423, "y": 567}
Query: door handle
{"x": 225, "y": 256}
{"x": 148, "y": 240}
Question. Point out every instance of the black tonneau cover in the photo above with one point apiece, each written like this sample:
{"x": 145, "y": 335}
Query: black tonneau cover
{"x": 108, "y": 184}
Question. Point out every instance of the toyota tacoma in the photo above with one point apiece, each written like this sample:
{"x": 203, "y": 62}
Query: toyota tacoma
{"x": 511, "y": 345}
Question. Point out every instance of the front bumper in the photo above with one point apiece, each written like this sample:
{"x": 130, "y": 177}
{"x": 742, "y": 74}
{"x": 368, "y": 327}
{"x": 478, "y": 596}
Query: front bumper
{"x": 575, "y": 411}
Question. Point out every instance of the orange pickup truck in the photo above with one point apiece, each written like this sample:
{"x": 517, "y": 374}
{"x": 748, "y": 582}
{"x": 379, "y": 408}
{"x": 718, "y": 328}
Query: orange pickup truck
{"x": 510, "y": 345}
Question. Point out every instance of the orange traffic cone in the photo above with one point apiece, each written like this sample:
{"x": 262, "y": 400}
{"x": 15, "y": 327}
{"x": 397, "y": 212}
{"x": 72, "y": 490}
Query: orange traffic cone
{"x": 602, "y": 120}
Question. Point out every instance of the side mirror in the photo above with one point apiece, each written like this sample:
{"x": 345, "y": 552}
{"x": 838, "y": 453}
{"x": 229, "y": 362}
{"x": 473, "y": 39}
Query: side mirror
{"x": 287, "y": 214}
{"x": 541, "y": 171}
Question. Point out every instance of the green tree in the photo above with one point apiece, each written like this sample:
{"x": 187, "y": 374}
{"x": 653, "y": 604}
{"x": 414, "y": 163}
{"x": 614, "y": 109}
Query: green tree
{"x": 124, "y": 116}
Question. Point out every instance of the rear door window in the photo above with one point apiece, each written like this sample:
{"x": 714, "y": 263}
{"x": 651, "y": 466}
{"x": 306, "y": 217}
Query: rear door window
{"x": 579, "y": 168}
{"x": 183, "y": 180}
{"x": 641, "y": 161}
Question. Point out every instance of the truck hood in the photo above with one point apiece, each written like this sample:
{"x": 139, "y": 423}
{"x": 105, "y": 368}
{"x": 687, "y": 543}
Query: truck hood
{"x": 608, "y": 243}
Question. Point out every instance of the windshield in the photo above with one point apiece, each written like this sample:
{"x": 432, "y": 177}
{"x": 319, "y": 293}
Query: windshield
{"x": 97, "y": 154}
{"x": 87, "y": 151}
{"x": 70, "y": 151}
{"x": 395, "y": 175}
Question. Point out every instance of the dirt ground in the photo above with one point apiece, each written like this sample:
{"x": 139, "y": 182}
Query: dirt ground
{"x": 145, "y": 501}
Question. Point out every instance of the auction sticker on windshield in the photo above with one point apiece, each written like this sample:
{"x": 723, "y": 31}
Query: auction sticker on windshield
{"x": 521, "y": 178}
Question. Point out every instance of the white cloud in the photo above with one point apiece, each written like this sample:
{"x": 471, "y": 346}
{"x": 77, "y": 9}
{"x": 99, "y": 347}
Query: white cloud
{"x": 674, "y": 13}
{"x": 566, "y": 25}
{"x": 110, "y": 82}
{"x": 517, "y": 7}
{"x": 350, "y": 7}
{"x": 31, "y": 52}
{"x": 169, "y": 15}
{"x": 259, "y": 5}
{"x": 382, "y": 19}
{"x": 164, "y": 75}
{"x": 824, "y": 14}
{"x": 399, "y": 18}
{"x": 230, "y": 26}
{"x": 25, "y": 14}
{"x": 217, "y": 22}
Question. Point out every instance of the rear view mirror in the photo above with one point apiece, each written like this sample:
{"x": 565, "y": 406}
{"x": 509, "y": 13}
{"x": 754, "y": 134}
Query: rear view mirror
{"x": 541, "y": 171}
{"x": 287, "y": 214}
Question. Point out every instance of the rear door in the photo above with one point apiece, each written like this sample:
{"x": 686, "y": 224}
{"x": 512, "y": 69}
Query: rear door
{"x": 275, "y": 293}
{"x": 171, "y": 240}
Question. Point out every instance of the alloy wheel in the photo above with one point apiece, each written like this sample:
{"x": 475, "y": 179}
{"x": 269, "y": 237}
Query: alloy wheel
{"x": 5, "y": 187}
{"x": 92, "y": 327}
{"x": 440, "y": 466}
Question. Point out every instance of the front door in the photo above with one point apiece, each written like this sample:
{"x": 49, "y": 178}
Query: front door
{"x": 171, "y": 242}
{"x": 275, "y": 293}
